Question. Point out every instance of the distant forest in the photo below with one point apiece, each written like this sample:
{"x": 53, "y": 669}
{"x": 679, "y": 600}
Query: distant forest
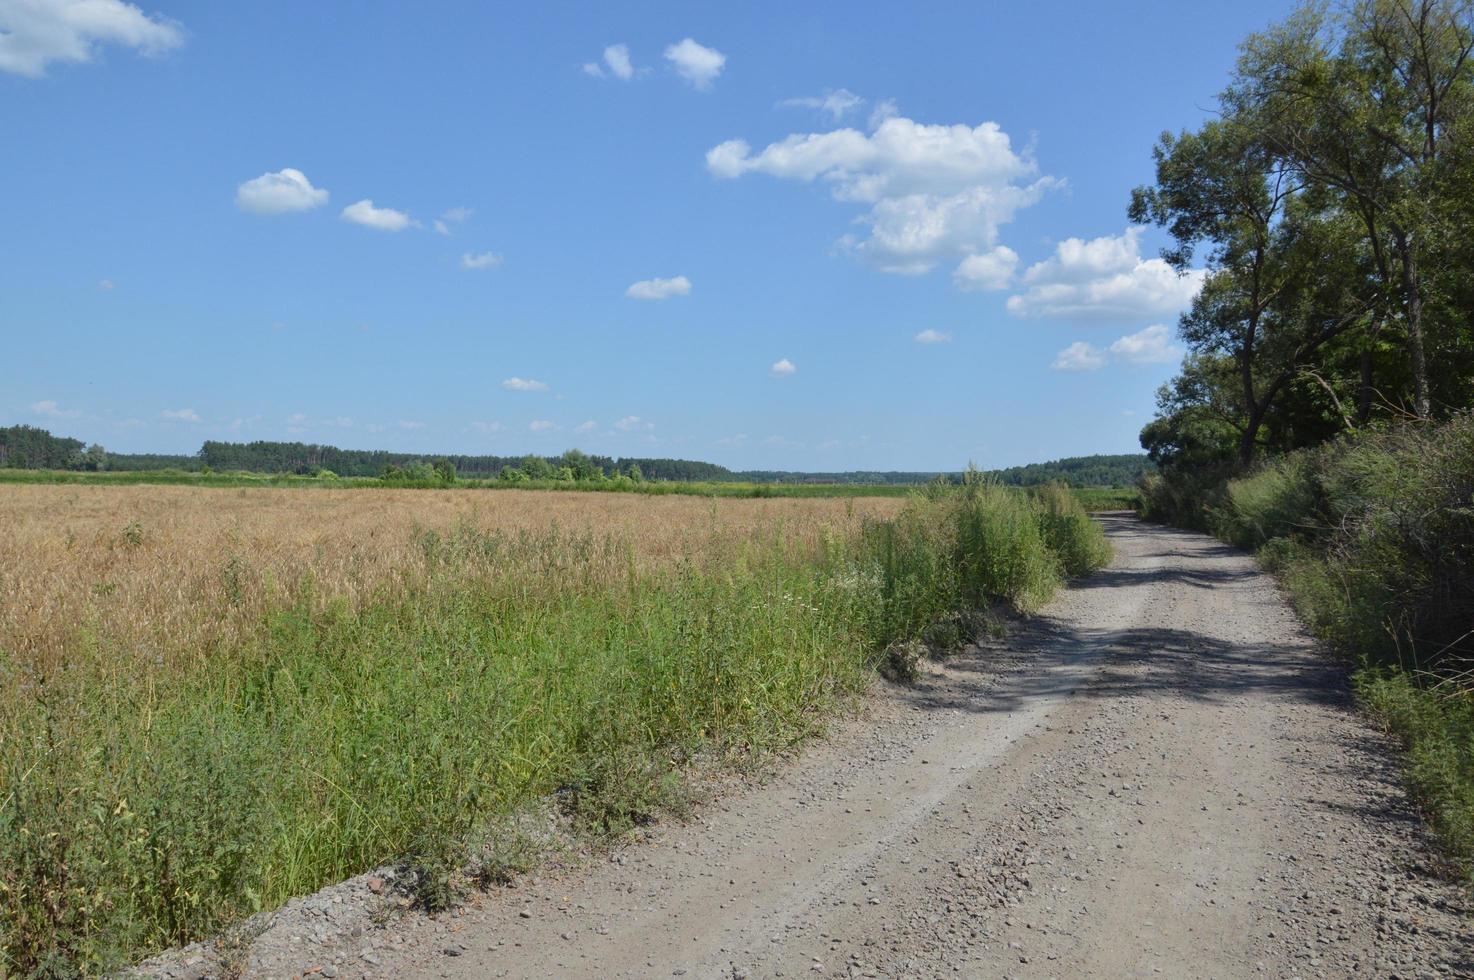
{"x": 28, "y": 447}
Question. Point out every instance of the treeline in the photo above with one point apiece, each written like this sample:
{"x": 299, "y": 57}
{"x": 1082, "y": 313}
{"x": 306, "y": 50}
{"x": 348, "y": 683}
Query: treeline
{"x": 305, "y": 458}
{"x": 25, "y": 447}
{"x": 1322, "y": 413}
{"x": 1124, "y": 470}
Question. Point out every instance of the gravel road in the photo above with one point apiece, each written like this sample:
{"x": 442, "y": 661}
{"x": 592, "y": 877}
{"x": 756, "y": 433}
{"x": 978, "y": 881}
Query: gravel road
{"x": 1157, "y": 775}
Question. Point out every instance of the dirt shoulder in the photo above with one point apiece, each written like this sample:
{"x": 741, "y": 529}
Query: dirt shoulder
{"x": 1156, "y": 775}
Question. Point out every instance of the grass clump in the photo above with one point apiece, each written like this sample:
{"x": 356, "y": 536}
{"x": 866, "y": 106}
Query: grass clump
{"x": 281, "y": 720}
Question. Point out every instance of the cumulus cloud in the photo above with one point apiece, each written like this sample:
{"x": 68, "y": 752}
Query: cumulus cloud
{"x": 106, "y": 285}
{"x": 659, "y": 288}
{"x": 696, "y": 63}
{"x": 1079, "y": 356}
{"x": 616, "y": 62}
{"x": 410, "y": 425}
{"x": 480, "y": 260}
{"x": 1104, "y": 279}
{"x": 486, "y": 427}
{"x": 783, "y": 368}
{"x": 540, "y": 425}
{"x": 633, "y": 423}
{"x": 990, "y": 270}
{"x": 1152, "y": 345}
{"x": 34, "y": 33}
{"x": 930, "y": 336}
{"x": 384, "y": 219}
{"x": 837, "y": 103}
{"x": 180, "y": 415}
{"x": 934, "y": 191}
{"x": 280, "y": 192}
{"x": 583, "y": 428}
{"x": 524, "y": 384}
{"x": 51, "y": 409}
{"x": 451, "y": 216}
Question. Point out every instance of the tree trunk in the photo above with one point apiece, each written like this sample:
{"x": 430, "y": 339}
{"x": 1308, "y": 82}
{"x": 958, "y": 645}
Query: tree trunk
{"x": 1364, "y": 395}
{"x": 1418, "y": 360}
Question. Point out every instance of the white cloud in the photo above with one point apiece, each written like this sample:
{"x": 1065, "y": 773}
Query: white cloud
{"x": 934, "y": 191}
{"x": 988, "y": 270}
{"x": 180, "y": 415}
{"x": 586, "y": 427}
{"x": 539, "y": 425}
{"x": 385, "y": 219}
{"x": 51, "y": 409}
{"x": 1079, "y": 356}
{"x": 783, "y": 368}
{"x": 696, "y": 63}
{"x": 410, "y": 424}
{"x": 280, "y": 192}
{"x": 524, "y": 384}
{"x": 616, "y": 62}
{"x": 34, "y": 33}
{"x": 740, "y": 439}
{"x": 480, "y": 260}
{"x": 659, "y": 288}
{"x": 452, "y": 216}
{"x": 930, "y": 336}
{"x": 1152, "y": 345}
{"x": 106, "y": 285}
{"x": 836, "y": 102}
{"x": 633, "y": 423}
{"x": 1104, "y": 279}
{"x": 486, "y": 427}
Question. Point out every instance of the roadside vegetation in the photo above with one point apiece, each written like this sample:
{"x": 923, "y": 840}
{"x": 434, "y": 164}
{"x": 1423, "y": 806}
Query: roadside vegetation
{"x": 1322, "y": 415}
{"x": 211, "y": 702}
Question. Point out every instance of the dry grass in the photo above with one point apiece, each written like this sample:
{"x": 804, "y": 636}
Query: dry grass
{"x": 178, "y": 571}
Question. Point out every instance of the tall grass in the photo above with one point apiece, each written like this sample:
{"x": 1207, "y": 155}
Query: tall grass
{"x": 159, "y": 780}
{"x": 1373, "y": 537}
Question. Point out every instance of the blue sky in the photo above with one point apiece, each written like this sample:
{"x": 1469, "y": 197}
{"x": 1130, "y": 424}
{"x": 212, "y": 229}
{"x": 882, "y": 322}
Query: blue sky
{"x": 827, "y": 236}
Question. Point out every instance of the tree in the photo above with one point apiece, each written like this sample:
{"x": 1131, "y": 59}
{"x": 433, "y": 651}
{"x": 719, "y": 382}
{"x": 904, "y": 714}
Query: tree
{"x": 1370, "y": 106}
{"x": 1278, "y": 264}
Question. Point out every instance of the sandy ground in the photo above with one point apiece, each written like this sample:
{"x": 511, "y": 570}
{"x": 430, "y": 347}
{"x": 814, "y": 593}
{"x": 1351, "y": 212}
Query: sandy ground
{"x": 1157, "y": 776}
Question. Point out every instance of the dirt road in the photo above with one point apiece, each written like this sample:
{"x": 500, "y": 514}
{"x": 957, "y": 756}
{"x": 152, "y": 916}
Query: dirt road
{"x": 1158, "y": 775}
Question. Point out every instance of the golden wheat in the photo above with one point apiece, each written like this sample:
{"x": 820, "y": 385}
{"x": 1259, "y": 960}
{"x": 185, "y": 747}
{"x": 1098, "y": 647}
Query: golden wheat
{"x": 171, "y": 572}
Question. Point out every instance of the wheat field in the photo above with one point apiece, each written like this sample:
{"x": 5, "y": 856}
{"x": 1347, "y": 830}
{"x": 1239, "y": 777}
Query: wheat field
{"x": 176, "y": 571}
{"x": 212, "y": 700}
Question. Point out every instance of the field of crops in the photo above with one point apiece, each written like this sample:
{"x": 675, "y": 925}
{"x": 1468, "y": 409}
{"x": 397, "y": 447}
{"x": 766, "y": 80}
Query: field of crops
{"x": 214, "y": 699}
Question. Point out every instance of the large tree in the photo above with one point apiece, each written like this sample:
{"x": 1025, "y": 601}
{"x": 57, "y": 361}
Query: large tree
{"x": 1372, "y": 105}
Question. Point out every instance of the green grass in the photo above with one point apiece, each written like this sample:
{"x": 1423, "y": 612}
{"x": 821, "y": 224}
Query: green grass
{"x": 144, "y": 807}
{"x": 1092, "y": 498}
{"x": 656, "y": 487}
{"x": 1096, "y": 499}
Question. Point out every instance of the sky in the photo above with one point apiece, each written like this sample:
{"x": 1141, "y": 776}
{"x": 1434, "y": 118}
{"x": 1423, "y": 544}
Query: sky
{"x": 820, "y": 236}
